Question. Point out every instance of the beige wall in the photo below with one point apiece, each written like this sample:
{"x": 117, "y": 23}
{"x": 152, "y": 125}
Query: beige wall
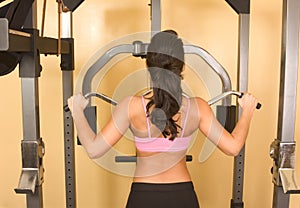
{"x": 210, "y": 24}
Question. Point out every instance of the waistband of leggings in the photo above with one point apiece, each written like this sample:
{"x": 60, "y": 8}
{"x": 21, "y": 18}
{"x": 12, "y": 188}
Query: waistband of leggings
{"x": 180, "y": 186}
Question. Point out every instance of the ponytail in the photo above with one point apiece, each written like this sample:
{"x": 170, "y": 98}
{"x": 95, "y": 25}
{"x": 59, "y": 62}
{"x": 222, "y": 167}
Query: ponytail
{"x": 165, "y": 63}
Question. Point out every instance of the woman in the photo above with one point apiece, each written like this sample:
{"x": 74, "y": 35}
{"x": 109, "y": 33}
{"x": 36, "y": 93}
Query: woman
{"x": 162, "y": 123}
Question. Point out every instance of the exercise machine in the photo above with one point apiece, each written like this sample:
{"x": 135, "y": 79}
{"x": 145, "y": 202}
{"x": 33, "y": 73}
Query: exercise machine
{"x": 21, "y": 43}
{"x": 27, "y": 55}
{"x": 18, "y": 25}
{"x": 226, "y": 113}
{"x": 283, "y": 148}
{"x": 125, "y": 159}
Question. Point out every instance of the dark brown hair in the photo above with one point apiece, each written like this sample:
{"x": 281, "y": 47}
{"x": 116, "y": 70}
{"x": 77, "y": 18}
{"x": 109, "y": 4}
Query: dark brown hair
{"x": 165, "y": 61}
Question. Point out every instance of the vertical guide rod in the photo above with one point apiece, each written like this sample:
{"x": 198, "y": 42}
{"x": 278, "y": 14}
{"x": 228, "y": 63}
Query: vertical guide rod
{"x": 69, "y": 149}
{"x": 30, "y": 107}
{"x": 31, "y": 130}
{"x": 155, "y": 16}
{"x": 243, "y": 56}
{"x": 242, "y": 8}
{"x": 69, "y": 143}
{"x": 288, "y": 85}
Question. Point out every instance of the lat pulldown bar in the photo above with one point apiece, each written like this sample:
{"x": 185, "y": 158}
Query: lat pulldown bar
{"x": 91, "y": 117}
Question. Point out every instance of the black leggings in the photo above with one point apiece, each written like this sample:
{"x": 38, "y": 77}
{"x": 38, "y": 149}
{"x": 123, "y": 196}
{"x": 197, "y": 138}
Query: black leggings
{"x": 173, "y": 195}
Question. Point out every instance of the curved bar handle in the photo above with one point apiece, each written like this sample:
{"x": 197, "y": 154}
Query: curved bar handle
{"x": 98, "y": 95}
{"x": 225, "y": 94}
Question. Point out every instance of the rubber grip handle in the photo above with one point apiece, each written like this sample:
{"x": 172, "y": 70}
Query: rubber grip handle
{"x": 258, "y": 106}
{"x": 66, "y": 108}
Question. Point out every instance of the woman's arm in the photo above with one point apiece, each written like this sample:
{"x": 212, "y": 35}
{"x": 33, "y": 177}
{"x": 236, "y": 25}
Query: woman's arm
{"x": 229, "y": 143}
{"x": 97, "y": 145}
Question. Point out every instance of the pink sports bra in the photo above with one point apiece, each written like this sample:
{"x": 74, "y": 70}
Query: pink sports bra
{"x": 150, "y": 144}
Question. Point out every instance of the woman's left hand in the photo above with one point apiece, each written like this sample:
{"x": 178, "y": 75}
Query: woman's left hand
{"x": 77, "y": 102}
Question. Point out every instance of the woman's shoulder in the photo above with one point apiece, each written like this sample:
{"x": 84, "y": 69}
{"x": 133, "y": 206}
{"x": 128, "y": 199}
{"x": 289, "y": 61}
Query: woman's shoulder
{"x": 134, "y": 99}
{"x": 132, "y": 102}
{"x": 199, "y": 101}
{"x": 200, "y": 105}
{"x": 127, "y": 101}
{"x": 131, "y": 105}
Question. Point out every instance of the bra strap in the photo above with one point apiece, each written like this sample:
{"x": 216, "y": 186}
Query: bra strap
{"x": 147, "y": 118}
{"x": 186, "y": 116}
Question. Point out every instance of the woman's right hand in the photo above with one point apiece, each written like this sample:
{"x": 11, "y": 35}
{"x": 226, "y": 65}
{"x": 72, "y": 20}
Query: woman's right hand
{"x": 248, "y": 102}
